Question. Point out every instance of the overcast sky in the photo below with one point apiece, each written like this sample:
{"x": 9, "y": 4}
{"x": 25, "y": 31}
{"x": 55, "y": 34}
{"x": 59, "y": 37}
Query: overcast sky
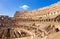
{"x": 9, "y": 7}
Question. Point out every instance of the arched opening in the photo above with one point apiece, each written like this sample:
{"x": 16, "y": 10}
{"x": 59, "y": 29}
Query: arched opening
{"x": 57, "y": 30}
{"x": 57, "y": 18}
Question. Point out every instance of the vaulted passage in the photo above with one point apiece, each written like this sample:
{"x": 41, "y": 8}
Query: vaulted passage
{"x": 8, "y": 33}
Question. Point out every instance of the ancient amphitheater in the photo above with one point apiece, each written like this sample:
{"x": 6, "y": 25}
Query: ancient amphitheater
{"x": 43, "y": 23}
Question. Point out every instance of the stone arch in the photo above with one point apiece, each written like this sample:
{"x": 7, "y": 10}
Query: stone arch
{"x": 57, "y": 18}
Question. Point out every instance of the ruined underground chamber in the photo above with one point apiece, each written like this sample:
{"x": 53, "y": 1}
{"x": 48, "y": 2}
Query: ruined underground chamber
{"x": 13, "y": 33}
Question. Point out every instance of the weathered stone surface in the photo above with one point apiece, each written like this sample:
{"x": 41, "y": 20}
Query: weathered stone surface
{"x": 42, "y": 23}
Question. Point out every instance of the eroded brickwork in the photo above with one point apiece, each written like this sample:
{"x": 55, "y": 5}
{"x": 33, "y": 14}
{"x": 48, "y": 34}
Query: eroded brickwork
{"x": 35, "y": 24}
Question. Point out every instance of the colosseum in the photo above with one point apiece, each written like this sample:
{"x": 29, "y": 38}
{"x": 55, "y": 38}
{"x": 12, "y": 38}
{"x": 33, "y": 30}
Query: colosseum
{"x": 43, "y": 23}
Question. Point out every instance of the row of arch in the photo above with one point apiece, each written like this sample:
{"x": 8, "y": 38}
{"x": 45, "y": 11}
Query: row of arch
{"x": 56, "y": 19}
{"x": 51, "y": 13}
